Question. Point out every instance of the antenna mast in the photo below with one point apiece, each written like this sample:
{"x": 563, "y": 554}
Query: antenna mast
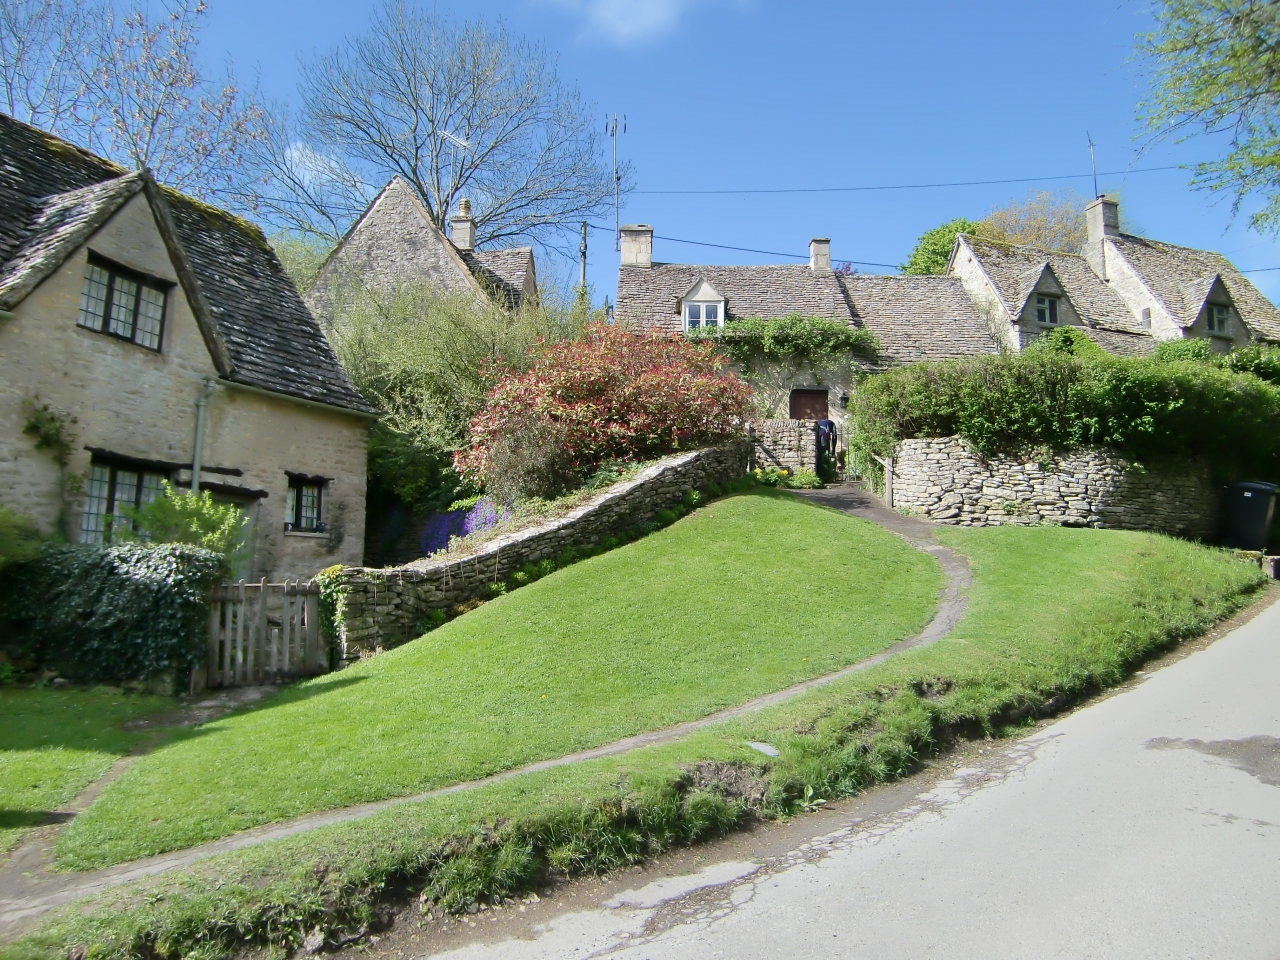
{"x": 611, "y": 128}
{"x": 582, "y": 250}
{"x": 1093, "y": 163}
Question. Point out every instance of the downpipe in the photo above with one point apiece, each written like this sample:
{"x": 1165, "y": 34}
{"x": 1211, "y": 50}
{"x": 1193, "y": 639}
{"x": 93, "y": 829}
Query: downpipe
{"x": 197, "y": 458}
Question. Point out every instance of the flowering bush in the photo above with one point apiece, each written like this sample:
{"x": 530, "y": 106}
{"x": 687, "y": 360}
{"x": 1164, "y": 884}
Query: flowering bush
{"x": 613, "y": 395}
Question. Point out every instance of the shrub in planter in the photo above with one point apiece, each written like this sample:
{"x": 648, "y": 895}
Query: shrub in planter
{"x": 615, "y": 395}
{"x": 119, "y": 613}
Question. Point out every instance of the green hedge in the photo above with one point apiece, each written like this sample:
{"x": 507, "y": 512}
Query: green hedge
{"x": 1046, "y": 399}
{"x": 118, "y": 613}
{"x": 815, "y": 340}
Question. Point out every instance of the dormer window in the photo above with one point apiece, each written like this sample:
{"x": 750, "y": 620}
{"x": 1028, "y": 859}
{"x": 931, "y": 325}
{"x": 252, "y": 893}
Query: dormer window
{"x": 702, "y": 308}
{"x": 1218, "y": 318}
{"x": 1046, "y": 310}
{"x": 701, "y": 315}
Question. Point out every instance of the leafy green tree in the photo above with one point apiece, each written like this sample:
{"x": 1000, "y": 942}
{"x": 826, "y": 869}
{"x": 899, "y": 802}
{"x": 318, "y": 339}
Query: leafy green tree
{"x": 1215, "y": 69}
{"x": 191, "y": 518}
{"x": 934, "y": 247}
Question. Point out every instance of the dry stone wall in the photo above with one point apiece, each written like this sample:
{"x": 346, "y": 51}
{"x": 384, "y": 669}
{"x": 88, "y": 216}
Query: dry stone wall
{"x": 789, "y": 444}
{"x": 944, "y": 481}
{"x": 384, "y": 607}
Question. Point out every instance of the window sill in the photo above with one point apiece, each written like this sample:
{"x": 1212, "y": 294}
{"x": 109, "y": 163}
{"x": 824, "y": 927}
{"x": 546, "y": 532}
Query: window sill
{"x": 1220, "y": 335}
{"x": 306, "y": 534}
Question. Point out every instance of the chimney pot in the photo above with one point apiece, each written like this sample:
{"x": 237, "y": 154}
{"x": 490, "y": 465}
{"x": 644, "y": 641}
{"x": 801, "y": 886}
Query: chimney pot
{"x": 464, "y": 227}
{"x": 820, "y": 254}
{"x": 637, "y": 245}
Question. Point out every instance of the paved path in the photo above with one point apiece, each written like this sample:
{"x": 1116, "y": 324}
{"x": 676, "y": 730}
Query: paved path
{"x": 28, "y": 887}
{"x": 1144, "y": 825}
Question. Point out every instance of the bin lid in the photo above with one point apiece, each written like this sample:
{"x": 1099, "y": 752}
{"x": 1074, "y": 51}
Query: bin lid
{"x": 1257, "y": 485}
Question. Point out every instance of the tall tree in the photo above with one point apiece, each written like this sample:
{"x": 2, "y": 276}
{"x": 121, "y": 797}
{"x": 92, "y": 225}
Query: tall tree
{"x": 128, "y": 87}
{"x": 1215, "y": 69}
{"x": 933, "y": 249}
{"x": 454, "y": 109}
{"x": 1048, "y": 219}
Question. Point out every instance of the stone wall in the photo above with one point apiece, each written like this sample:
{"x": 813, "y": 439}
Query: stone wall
{"x": 380, "y": 608}
{"x": 942, "y": 480}
{"x": 790, "y": 444}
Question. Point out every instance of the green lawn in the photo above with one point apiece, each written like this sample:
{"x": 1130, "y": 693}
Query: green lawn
{"x": 746, "y": 596}
{"x": 53, "y": 743}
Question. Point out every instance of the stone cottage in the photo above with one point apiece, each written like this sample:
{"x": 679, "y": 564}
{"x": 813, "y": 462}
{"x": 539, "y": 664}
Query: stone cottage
{"x": 1124, "y": 292}
{"x": 168, "y": 339}
{"x": 395, "y": 243}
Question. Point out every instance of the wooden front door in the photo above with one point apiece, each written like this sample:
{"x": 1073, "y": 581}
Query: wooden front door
{"x": 808, "y": 404}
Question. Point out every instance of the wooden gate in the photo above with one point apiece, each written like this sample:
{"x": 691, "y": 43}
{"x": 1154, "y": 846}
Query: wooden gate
{"x": 265, "y": 633}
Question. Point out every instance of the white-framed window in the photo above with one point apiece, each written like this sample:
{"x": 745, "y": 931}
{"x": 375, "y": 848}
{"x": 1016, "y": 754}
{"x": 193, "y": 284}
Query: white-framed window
{"x": 1218, "y": 318}
{"x": 123, "y": 304}
{"x": 1046, "y": 309}
{"x": 304, "y": 505}
{"x": 703, "y": 315}
{"x": 108, "y": 490}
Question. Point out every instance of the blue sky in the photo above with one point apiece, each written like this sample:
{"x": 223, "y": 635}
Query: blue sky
{"x": 750, "y": 94}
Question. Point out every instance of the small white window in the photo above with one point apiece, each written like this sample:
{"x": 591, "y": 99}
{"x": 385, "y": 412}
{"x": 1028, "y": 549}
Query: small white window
{"x": 1046, "y": 309}
{"x": 1146, "y": 318}
{"x": 701, "y": 315}
{"x": 1218, "y": 318}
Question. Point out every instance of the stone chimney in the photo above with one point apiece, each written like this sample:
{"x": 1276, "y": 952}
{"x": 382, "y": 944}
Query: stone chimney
{"x": 1103, "y": 220}
{"x": 820, "y": 254}
{"x": 637, "y": 245}
{"x": 464, "y": 227}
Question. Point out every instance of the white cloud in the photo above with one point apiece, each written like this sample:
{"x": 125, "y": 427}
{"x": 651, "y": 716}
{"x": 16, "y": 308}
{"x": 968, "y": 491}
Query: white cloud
{"x": 628, "y": 21}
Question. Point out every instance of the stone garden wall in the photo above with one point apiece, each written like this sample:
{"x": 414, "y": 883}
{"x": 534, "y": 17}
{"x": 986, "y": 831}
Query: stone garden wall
{"x": 942, "y": 480}
{"x": 383, "y": 607}
{"x": 789, "y": 444}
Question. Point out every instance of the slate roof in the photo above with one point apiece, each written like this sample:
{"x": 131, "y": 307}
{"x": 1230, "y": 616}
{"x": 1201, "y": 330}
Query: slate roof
{"x": 54, "y": 195}
{"x": 650, "y": 297}
{"x": 1120, "y": 343}
{"x": 503, "y": 271}
{"x": 1180, "y": 278}
{"x": 1014, "y": 270}
{"x": 918, "y": 318}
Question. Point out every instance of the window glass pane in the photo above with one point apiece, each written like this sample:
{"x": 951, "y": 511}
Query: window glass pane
{"x": 124, "y": 296}
{"x": 96, "y": 489}
{"x": 1053, "y": 309}
{"x": 695, "y": 312}
{"x": 93, "y": 298}
{"x": 150, "y": 315}
{"x": 711, "y": 311}
{"x": 310, "y": 507}
{"x": 291, "y": 508}
{"x": 151, "y": 487}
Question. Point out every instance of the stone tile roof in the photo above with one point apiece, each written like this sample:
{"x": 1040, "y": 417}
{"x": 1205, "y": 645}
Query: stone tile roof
{"x": 1014, "y": 270}
{"x": 649, "y": 297}
{"x": 1120, "y": 343}
{"x": 505, "y": 272}
{"x": 53, "y": 195}
{"x": 918, "y": 318}
{"x": 1180, "y": 278}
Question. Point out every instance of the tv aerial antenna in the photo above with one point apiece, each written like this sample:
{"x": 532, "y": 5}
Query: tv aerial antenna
{"x": 612, "y": 128}
{"x": 1093, "y": 162}
{"x": 455, "y": 143}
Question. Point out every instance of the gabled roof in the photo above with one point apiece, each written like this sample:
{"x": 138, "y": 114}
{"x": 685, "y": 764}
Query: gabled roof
{"x": 918, "y": 318}
{"x": 53, "y": 196}
{"x": 650, "y": 296}
{"x": 1014, "y": 270}
{"x": 504, "y": 272}
{"x": 1181, "y": 278}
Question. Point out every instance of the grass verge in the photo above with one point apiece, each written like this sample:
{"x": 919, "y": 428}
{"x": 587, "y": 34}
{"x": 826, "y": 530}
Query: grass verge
{"x": 1025, "y": 647}
{"x": 54, "y": 743}
{"x": 684, "y": 622}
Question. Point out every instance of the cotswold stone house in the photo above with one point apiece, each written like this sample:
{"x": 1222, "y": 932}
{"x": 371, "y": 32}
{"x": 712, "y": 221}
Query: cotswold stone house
{"x": 1124, "y": 292}
{"x": 914, "y": 318}
{"x": 395, "y": 243}
{"x": 171, "y": 334}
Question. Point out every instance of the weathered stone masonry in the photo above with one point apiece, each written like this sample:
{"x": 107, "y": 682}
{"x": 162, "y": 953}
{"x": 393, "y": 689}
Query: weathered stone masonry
{"x": 944, "y": 481}
{"x": 380, "y": 608}
{"x": 789, "y": 444}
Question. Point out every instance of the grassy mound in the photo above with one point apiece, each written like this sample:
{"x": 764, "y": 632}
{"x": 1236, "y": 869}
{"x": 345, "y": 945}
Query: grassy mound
{"x": 743, "y": 597}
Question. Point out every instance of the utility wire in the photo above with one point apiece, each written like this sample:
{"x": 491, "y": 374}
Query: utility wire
{"x": 905, "y": 186}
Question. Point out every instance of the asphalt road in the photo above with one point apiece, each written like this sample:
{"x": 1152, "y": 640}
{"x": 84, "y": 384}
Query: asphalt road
{"x": 1145, "y": 825}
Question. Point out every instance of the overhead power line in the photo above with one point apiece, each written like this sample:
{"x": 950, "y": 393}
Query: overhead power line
{"x": 905, "y": 186}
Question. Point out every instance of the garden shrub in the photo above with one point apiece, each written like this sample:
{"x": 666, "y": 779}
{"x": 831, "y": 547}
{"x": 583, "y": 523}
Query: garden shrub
{"x": 529, "y": 457}
{"x": 1261, "y": 361}
{"x": 118, "y": 613}
{"x": 1071, "y": 341}
{"x": 1046, "y": 400}
{"x": 191, "y": 518}
{"x": 614, "y": 395}
{"x": 813, "y": 340}
{"x": 19, "y": 539}
{"x": 1195, "y": 350}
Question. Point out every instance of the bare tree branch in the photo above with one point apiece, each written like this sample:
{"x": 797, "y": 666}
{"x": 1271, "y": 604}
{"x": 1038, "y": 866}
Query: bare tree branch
{"x": 46, "y": 58}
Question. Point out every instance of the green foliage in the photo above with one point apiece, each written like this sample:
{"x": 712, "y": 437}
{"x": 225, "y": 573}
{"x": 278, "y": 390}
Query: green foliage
{"x": 1185, "y": 350}
{"x": 1069, "y": 341}
{"x": 329, "y": 582}
{"x": 933, "y": 249}
{"x": 1263, "y": 361}
{"x": 1213, "y": 71}
{"x": 798, "y": 480}
{"x": 53, "y": 430}
{"x": 191, "y": 518}
{"x": 125, "y": 612}
{"x": 1144, "y": 407}
{"x": 19, "y": 539}
{"x": 817, "y": 341}
{"x": 301, "y": 255}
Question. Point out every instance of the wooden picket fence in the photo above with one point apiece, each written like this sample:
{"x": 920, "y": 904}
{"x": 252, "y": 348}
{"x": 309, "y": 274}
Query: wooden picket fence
{"x": 265, "y": 633}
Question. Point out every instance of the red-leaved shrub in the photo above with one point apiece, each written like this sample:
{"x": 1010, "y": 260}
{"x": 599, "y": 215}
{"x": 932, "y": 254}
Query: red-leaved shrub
{"x": 615, "y": 395}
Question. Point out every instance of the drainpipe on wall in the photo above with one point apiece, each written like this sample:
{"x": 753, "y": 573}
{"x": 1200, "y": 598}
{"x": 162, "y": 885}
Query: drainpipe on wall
{"x": 197, "y": 457}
